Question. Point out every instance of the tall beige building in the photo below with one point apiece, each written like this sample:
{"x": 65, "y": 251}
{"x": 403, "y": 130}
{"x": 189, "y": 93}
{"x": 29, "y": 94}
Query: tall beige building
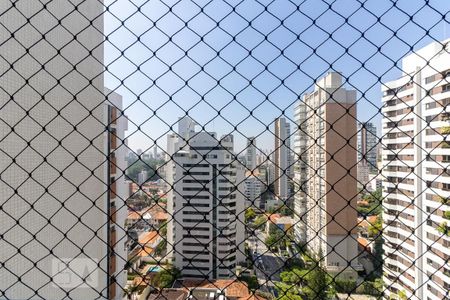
{"x": 416, "y": 184}
{"x": 330, "y": 190}
{"x": 56, "y": 207}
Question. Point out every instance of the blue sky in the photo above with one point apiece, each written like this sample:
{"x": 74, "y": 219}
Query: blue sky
{"x": 234, "y": 57}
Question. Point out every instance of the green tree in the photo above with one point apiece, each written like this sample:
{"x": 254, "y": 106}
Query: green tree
{"x": 375, "y": 229}
{"x": 318, "y": 285}
{"x": 378, "y": 256}
{"x": 276, "y": 239}
{"x": 163, "y": 230}
{"x": 374, "y": 288}
{"x": 252, "y": 282}
{"x": 375, "y": 203}
{"x": 402, "y": 295}
{"x": 296, "y": 276}
{"x": 260, "y": 222}
{"x": 250, "y": 214}
{"x": 135, "y": 166}
{"x": 345, "y": 286}
{"x": 443, "y": 228}
{"x": 274, "y": 229}
{"x": 287, "y": 292}
{"x": 285, "y": 211}
{"x": 159, "y": 250}
{"x": 165, "y": 278}
{"x": 272, "y": 241}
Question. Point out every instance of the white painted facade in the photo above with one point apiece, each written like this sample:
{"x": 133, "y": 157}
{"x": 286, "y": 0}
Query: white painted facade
{"x": 416, "y": 115}
{"x": 47, "y": 189}
{"x": 282, "y": 158}
{"x": 250, "y": 155}
{"x": 300, "y": 138}
{"x": 208, "y": 206}
{"x": 253, "y": 187}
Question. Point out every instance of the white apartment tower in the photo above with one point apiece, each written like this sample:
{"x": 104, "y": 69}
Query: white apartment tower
{"x": 282, "y": 158}
{"x": 253, "y": 187}
{"x": 331, "y": 192}
{"x": 175, "y": 142}
{"x": 250, "y": 156}
{"x": 300, "y": 138}
{"x": 169, "y": 179}
{"x": 416, "y": 186}
{"x": 207, "y": 229}
{"x": 56, "y": 201}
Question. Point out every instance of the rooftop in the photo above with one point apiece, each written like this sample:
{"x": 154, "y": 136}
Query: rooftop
{"x": 233, "y": 289}
{"x": 172, "y": 294}
{"x": 147, "y": 241}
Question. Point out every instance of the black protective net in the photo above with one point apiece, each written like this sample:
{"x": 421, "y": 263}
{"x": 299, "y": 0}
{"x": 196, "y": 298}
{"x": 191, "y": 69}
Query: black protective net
{"x": 222, "y": 149}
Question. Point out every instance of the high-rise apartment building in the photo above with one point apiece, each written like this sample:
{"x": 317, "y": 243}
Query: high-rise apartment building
{"x": 331, "y": 192}
{"x": 175, "y": 142}
{"x": 60, "y": 183}
{"x": 250, "y": 155}
{"x": 207, "y": 229}
{"x": 117, "y": 195}
{"x": 282, "y": 158}
{"x": 270, "y": 173}
{"x": 416, "y": 124}
{"x": 253, "y": 187}
{"x": 367, "y": 144}
{"x": 169, "y": 178}
{"x": 300, "y": 138}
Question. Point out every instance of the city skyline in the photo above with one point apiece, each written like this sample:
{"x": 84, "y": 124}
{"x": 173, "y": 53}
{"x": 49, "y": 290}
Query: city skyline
{"x": 298, "y": 78}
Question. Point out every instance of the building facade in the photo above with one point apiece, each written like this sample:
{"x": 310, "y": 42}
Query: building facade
{"x": 331, "y": 191}
{"x": 175, "y": 142}
{"x": 367, "y": 145}
{"x": 253, "y": 187}
{"x": 415, "y": 155}
{"x": 282, "y": 159}
{"x": 250, "y": 155}
{"x": 300, "y": 138}
{"x": 62, "y": 183}
{"x": 117, "y": 195}
{"x": 208, "y": 225}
